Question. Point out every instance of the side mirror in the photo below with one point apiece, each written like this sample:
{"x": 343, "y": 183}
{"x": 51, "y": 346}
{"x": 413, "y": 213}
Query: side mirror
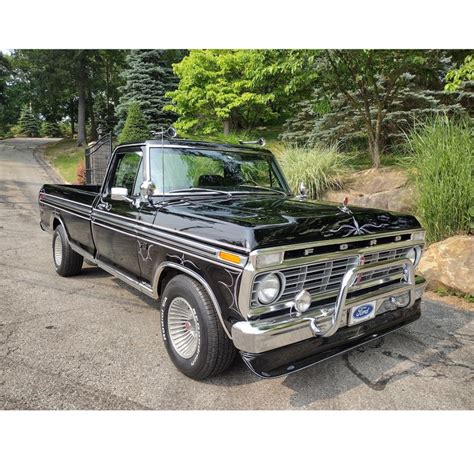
{"x": 119, "y": 194}
{"x": 147, "y": 190}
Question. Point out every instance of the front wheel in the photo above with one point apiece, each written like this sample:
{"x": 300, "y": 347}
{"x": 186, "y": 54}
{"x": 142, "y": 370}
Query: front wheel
{"x": 66, "y": 261}
{"x": 194, "y": 338}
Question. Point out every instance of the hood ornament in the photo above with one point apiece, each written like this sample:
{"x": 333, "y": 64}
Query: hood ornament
{"x": 302, "y": 190}
{"x": 344, "y": 207}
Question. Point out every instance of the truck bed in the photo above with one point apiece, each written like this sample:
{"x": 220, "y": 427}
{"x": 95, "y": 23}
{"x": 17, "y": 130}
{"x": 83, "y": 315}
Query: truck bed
{"x": 72, "y": 204}
{"x": 85, "y": 194}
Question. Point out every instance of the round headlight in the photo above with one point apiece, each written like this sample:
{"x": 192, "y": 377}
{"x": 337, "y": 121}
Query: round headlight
{"x": 268, "y": 288}
{"x": 412, "y": 255}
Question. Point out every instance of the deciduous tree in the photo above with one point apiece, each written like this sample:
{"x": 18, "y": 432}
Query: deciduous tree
{"x": 238, "y": 89}
{"x": 373, "y": 94}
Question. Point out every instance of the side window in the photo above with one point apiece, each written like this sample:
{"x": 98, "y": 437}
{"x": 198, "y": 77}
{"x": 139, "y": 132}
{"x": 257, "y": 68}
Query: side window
{"x": 127, "y": 172}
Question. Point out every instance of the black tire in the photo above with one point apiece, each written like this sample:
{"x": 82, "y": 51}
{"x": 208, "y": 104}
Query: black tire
{"x": 66, "y": 261}
{"x": 215, "y": 351}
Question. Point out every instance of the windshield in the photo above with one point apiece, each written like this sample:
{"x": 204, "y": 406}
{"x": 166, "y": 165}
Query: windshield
{"x": 212, "y": 170}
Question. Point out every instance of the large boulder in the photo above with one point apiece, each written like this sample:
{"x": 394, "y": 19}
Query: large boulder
{"x": 384, "y": 188}
{"x": 450, "y": 263}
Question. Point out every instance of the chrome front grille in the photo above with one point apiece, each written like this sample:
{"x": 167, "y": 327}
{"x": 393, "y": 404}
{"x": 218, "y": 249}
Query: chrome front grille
{"x": 381, "y": 257}
{"x": 326, "y": 276}
{"x": 385, "y": 255}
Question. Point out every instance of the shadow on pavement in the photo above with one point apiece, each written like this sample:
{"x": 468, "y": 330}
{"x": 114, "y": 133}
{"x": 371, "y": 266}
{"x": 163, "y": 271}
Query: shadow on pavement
{"x": 426, "y": 348}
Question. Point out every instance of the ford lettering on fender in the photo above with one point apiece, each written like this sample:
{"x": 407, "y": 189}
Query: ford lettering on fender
{"x": 237, "y": 263}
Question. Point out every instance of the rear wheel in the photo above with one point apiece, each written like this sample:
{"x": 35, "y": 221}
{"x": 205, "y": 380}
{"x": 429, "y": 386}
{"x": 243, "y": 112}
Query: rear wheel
{"x": 66, "y": 261}
{"x": 194, "y": 337}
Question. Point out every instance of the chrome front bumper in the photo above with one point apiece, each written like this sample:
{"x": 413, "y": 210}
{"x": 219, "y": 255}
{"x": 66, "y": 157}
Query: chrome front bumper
{"x": 263, "y": 335}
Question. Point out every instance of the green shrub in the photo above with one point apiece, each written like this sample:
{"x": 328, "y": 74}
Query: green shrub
{"x": 319, "y": 168}
{"x": 50, "y": 129}
{"x": 135, "y": 128}
{"x": 15, "y": 131}
{"x": 443, "y": 160}
{"x": 65, "y": 129}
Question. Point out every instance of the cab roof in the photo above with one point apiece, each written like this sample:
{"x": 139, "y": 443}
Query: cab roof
{"x": 190, "y": 143}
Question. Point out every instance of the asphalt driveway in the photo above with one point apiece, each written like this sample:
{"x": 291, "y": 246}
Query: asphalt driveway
{"x": 90, "y": 342}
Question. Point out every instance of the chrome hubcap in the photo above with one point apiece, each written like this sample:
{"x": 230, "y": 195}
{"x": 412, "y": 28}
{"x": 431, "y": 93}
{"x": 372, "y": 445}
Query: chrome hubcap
{"x": 183, "y": 327}
{"x": 58, "y": 250}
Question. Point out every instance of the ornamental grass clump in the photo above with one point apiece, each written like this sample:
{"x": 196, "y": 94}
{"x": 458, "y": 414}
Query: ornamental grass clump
{"x": 320, "y": 168}
{"x": 443, "y": 164}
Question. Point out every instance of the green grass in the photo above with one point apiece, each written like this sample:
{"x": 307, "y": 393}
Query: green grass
{"x": 320, "y": 168}
{"x": 65, "y": 157}
{"x": 443, "y": 167}
{"x": 445, "y": 291}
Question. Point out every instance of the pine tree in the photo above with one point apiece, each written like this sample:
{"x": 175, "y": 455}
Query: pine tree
{"x": 148, "y": 78}
{"x": 135, "y": 128}
{"x": 50, "y": 129}
{"x": 29, "y": 124}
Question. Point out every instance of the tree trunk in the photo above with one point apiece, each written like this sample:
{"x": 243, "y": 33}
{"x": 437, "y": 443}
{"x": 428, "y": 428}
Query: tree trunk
{"x": 90, "y": 106}
{"x": 373, "y": 136}
{"x": 71, "y": 114}
{"x": 107, "y": 92}
{"x": 376, "y": 154}
{"x": 377, "y": 142}
{"x": 81, "y": 111}
{"x": 226, "y": 127}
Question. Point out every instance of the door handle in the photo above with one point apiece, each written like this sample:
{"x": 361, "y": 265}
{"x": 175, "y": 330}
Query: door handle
{"x": 104, "y": 206}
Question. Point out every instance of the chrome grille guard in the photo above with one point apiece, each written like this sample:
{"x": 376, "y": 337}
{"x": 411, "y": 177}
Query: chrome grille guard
{"x": 261, "y": 335}
{"x": 348, "y": 280}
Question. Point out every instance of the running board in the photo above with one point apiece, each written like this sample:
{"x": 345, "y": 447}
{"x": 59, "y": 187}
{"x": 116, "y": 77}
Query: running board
{"x": 140, "y": 286}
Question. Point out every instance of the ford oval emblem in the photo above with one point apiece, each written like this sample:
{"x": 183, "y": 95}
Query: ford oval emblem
{"x": 362, "y": 311}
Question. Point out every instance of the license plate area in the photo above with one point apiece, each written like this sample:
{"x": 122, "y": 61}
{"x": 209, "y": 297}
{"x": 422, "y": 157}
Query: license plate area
{"x": 361, "y": 313}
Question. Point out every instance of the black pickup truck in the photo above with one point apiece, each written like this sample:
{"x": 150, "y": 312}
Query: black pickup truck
{"x": 237, "y": 262}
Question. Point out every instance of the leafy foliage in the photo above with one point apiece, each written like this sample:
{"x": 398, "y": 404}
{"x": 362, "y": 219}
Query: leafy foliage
{"x": 320, "y": 168}
{"x": 237, "y": 89}
{"x": 371, "y": 96}
{"x": 135, "y": 128}
{"x": 148, "y": 78}
{"x": 443, "y": 157}
{"x": 77, "y": 86}
{"x": 4, "y": 77}
{"x": 455, "y": 78}
{"x": 29, "y": 124}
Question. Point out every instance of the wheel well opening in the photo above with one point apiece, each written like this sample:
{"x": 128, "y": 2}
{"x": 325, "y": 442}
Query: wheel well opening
{"x": 166, "y": 277}
{"x": 56, "y": 222}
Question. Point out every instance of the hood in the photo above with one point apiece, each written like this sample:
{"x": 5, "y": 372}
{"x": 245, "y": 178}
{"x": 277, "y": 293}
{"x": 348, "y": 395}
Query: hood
{"x": 254, "y": 222}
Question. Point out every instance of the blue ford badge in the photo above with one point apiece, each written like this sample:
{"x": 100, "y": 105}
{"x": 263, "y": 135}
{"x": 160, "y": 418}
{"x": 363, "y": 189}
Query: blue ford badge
{"x": 362, "y": 311}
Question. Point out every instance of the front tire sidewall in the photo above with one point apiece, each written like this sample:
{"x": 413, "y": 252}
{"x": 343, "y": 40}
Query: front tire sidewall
{"x": 193, "y": 366}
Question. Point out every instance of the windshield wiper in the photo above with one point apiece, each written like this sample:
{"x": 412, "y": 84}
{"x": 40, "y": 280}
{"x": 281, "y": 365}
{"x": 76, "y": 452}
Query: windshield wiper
{"x": 201, "y": 189}
{"x": 261, "y": 187}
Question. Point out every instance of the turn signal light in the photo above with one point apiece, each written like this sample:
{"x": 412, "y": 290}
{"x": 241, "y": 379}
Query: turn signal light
{"x": 227, "y": 256}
